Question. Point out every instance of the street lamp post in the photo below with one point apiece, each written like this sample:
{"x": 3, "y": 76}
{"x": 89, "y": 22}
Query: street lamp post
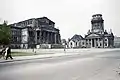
{"x": 64, "y": 45}
{"x": 35, "y": 36}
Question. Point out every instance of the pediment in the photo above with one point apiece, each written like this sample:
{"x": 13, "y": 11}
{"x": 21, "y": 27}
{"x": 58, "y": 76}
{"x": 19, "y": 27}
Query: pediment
{"x": 92, "y": 35}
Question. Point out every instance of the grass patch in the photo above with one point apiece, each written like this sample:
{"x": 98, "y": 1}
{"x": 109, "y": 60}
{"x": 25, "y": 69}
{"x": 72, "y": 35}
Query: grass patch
{"x": 28, "y": 54}
{"x": 21, "y": 54}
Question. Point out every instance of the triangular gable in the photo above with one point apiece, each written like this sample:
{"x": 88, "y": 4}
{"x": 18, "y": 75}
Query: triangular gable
{"x": 92, "y": 35}
{"x": 48, "y": 19}
{"x": 77, "y": 37}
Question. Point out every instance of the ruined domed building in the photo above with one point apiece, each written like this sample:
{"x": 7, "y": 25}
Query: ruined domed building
{"x": 98, "y": 37}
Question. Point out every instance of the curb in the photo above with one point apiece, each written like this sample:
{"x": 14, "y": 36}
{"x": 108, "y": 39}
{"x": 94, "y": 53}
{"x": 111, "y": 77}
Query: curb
{"x": 6, "y": 61}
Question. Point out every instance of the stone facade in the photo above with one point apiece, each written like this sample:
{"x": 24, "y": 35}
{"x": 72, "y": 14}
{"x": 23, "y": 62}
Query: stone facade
{"x": 97, "y": 37}
{"x": 117, "y": 42}
{"x": 34, "y": 33}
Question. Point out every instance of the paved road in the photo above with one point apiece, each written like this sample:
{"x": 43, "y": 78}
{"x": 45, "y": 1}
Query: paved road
{"x": 96, "y": 66}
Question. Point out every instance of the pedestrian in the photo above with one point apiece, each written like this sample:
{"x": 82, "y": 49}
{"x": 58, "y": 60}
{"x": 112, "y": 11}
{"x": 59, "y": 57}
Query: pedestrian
{"x": 2, "y": 52}
{"x": 8, "y": 53}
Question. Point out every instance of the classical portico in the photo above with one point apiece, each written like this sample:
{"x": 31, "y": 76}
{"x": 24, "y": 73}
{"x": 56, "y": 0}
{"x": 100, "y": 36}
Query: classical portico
{"x": 47, "y": 37}
{"x": 94, "y": 42}
{"x": 46, "y": 34}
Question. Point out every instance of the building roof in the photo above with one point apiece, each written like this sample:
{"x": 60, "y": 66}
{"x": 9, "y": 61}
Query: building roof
{"x": 46, "y": 18}
{"x": 95, "y": 35}
{"x": 77, "y": 38}
{"x": 96, "y": 15}
{"x": 91, "y": 35}
{"x": 50, "y": 28}
{"x": 20, "y": 27}
{"x": 32, "y": 19}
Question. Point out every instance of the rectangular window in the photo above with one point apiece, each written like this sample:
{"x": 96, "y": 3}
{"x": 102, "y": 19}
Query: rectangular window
{"x": 83, "y": 43}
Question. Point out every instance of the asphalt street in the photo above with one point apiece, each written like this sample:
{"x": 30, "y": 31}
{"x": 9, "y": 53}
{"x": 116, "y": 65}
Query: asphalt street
{"x": 94, "y": 66}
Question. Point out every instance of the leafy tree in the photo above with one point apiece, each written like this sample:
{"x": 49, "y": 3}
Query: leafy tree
{"x": 5, "y": 34}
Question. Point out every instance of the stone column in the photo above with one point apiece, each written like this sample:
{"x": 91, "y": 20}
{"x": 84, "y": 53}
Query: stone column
{"x": 40, "y": 37}
{"x": 103, "y": 43}
{"x": 35, "y": 37}
{"x": 86, "y": 43}
{"x": 48, "y": 37}
{"x": 59, "y": 39}
{"x": 95, "y": 42}
{"x": 44, "y": 37}
{"x": 51, "y": 38}
{"x": 107, "y": 42}
{"x": 55, "y": 38}
{"x": 98, "y": 42}
{"x": 91, "y": 43}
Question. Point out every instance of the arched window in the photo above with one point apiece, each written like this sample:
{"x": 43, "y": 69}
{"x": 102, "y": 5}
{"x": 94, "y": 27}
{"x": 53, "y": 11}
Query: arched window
{"x": 105, "y": 44}
{"x": 106, "y": 39}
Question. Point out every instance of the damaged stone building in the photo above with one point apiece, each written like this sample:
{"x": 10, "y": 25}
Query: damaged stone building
{"x": 35, "y": 33}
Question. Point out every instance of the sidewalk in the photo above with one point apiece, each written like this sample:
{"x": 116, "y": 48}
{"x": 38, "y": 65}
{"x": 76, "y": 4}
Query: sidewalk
{"x": 57, "y": 54}
{"x": 22, "y": 58}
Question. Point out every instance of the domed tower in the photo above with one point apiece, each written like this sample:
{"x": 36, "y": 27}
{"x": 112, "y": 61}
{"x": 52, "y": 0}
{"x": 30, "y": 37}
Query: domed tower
{"x": 97, "y": 24}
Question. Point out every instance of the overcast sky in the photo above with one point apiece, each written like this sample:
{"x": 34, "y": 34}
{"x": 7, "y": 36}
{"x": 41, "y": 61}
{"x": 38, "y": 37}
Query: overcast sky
{"x": 70, "y": 16}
